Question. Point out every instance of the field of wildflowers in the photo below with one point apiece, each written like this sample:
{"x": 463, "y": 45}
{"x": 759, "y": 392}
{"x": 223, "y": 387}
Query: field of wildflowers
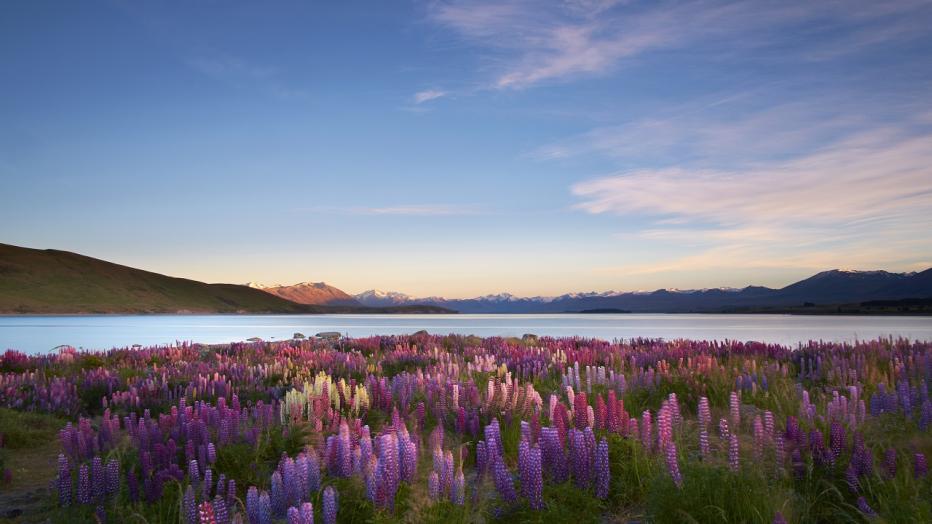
{"x": 453, "y": 429}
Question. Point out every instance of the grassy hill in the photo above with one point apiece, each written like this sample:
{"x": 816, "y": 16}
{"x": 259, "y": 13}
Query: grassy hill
{"x": 52, "y": 281}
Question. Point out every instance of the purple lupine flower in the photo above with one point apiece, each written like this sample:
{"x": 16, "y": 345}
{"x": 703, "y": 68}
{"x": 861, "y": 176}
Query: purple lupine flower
{"x": 433, "y": 485}
{"x": 231, "y": 492}
{"x": 446, "y": 475}
{"x": 64, "y": 480}
{"x": 252, "y": 505}
{"x": 799, "y": 467}
{"x": 307, "y": 513}
{"x": 503, "y": 481}
{"x": 211, "y": 454}
{"x": 189, "y": 504}
{"x": 265, "y": 508}
{"x": 837, "y": 438}
{"x": 673, "y": 466}
{"x": 705, "y": 415}
{"x": 294, "y": 516}
{"x": 113, "y": 477}
{"x": 778, "y": 518}
{"x": 704, "y": 443}
{"x": 98, "y": 479}
{"x": 459, "y": 488}
{"x": 534, "y": 492}
{"x": 865, "y": 508}
{"x": 221, "y": 513}
{"x": 194, "y": 472}
{"x": 278, "y": 498}
{"x": 208, "y": 484}
{"x": 920, "y": 466}
{"x": 100, "y": 514}
{"x": 733, "y": 453}
{"x": 889, "y": 463}
{"x": 723, "y": 432}
{"x": 84, "y": 485}
{"x": 735, "y": 410}
{"x": 330, "y": 505}
{"x": 602, "y": 470}
{"x": 580, "y": 463}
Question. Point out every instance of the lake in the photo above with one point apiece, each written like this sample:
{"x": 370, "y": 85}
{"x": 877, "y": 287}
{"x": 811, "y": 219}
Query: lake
{"x": 37, "y": 334}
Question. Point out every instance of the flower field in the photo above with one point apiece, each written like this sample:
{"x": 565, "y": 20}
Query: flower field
{"x": 453, "y": 429}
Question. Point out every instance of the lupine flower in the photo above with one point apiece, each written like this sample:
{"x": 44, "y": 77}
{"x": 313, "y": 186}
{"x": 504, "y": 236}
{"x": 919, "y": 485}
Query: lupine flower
{"x": 778, "y": 518}
{"x": 265, "y": 508}
{"x": 602, "y": 469}
{"x": 433, "y": 485}
{"x": 206, "y": 513}
{"x": 189, "y": 504}
{"x": 330, "y": 505}
{"x": 735, "y": 410}
{"x": 64, "y": 480}
{"x": 84, "y": 485}
{"x": 673, "y": 466}
{"x": 920, "y": 466}
{"x": 503, "y": 481}
{"x": 865, "y": 508}
{"x": 733, "y": 453}
{"x": 459, "y": 488}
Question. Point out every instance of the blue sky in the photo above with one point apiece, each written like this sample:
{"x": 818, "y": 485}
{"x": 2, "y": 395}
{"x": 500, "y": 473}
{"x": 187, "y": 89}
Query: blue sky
{"x": 463, "y": 148}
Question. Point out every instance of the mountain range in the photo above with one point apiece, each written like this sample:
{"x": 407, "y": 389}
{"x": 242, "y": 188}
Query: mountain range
{"x": 60, "y": 282}
{"x": 833, "y": 287}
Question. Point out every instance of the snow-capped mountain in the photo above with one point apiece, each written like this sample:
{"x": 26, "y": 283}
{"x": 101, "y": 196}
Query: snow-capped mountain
{"x": 829, "y": 287}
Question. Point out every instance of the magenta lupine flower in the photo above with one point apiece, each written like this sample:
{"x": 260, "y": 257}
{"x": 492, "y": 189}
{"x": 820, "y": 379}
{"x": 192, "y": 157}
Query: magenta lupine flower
{"x": 189, "y": 504}
{"x": 733, "y": 453}
{"x": 673, "y": 466}
{"x": 602, "y": 470}
{"x": 646, "y": 433}
{"x": 64, "y": 480}
{"x": 206, "y": 513}
{"x": 735, "y": 410}
{"x": 330, "y": 505}
{"x": 920, "y": 466}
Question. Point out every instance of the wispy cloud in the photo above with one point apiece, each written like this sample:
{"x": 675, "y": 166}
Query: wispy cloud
{"x": 427, "y": 95}
{"x": 862, "y": 201}
{"x": 529, "y": 42}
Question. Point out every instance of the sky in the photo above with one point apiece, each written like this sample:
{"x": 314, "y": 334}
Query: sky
{"x": 465, "y": 148}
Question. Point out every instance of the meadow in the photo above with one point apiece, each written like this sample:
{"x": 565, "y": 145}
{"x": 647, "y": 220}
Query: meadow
{"x": 457, "y": 429}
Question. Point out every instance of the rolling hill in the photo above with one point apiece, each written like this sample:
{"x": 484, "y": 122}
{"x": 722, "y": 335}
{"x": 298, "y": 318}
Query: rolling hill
{"x": 49, "y": 281}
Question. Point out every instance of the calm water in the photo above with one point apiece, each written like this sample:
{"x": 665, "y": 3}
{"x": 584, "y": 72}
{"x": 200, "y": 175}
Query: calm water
{"x": 36, "y": 334}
